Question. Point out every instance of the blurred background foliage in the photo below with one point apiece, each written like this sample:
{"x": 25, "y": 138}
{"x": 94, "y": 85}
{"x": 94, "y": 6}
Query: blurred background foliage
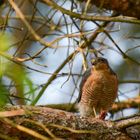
{"x": 32, "y": 73}
{"x": 13, "y": 76}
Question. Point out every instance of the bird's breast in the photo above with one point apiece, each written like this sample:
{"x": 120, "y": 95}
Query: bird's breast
{"x": 100, "y": 88}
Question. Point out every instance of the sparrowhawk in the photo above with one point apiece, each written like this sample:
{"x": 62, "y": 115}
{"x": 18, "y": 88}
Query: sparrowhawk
{"x": 98, "y": 89}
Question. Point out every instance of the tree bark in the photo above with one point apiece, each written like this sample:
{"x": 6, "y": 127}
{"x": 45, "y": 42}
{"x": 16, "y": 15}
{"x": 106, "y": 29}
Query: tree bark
{"x": 125, "y": 7}
{"x": 28, "y": 122}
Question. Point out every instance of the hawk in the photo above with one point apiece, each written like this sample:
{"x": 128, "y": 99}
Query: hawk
{"x": 98, "y": 89}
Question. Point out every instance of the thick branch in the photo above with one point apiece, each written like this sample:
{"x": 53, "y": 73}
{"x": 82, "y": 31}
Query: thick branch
{"x": 46, "y": 123}
{"x": 124, "y": 7}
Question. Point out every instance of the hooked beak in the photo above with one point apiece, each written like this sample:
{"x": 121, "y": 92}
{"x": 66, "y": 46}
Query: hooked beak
{"x": 93, "y": 62}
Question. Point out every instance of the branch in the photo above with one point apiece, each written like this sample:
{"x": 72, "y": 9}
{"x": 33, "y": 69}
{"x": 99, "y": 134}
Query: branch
{"x": 46, "y": 123}
{"x": 88, "y": 17}
{"x": 130, "y": 103}
{"x": 32, "y": 31}
{"x": 125, "y": 7}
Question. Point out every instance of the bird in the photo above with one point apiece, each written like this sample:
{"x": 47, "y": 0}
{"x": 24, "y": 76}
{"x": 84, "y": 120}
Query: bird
{"x": 98, "y": 89}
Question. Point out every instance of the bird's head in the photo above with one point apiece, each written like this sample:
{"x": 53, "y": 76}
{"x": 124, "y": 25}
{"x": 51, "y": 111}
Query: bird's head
{"x": 100, "y": 63}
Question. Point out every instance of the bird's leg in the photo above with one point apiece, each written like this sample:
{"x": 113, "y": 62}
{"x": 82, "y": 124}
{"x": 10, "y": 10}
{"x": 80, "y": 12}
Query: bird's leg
{"x": 94, "y": 111}
{"x": 102, "y": 115}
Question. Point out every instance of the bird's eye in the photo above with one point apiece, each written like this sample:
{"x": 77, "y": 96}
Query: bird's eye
{"x": 103, "y": 60}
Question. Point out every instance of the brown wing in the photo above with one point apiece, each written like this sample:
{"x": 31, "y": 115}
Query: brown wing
{"x": 84, "y": 78}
